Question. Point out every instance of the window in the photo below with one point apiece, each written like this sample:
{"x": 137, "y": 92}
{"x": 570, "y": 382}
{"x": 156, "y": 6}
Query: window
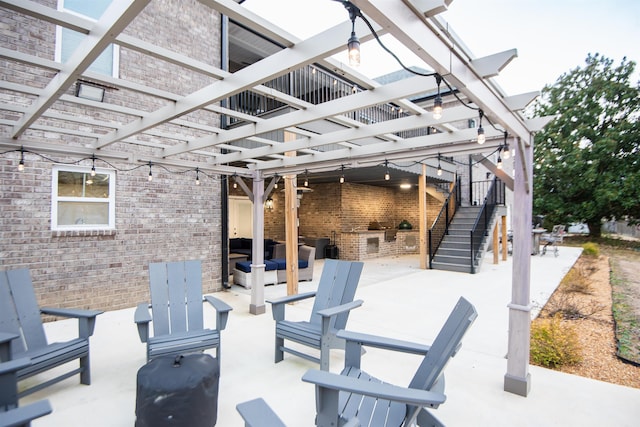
{"x": 68, "y": 40}
{"x": 80, "y": 201}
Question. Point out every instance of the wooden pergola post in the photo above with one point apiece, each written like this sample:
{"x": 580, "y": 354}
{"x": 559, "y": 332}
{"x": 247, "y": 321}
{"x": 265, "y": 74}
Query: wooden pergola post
{"x": 422, "y": 226}
{"x": 291, "y": 223}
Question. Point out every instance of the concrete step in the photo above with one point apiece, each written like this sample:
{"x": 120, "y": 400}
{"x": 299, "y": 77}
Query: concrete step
{"x": 457, "y": 252}
{"x": 451, "y": 259}
{"x": 455, "y": 245}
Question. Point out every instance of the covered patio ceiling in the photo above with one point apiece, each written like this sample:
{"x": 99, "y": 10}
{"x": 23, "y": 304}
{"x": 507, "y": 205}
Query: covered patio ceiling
{"x": 169, "y": 134}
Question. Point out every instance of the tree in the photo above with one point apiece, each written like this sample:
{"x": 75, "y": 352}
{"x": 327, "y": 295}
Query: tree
{"x": 587, "y": 162}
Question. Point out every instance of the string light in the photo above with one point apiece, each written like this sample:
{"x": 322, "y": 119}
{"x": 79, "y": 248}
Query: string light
{"x": 353, "y": 44}
{"x": 235, "y": 183}
{"x": 437, "y": 102}
{"x": 150, "y": 177}
{"x": 499, "y": 165}
{"x": 387, "y": 176}
{"x": 93, "y": 165}
{"x": 306, "y": 178}
{"x": 21, "y": 164}
{"x": 275, "y": 185}
{"x": 506, "y": 153}
{"x": 342, "y": 176}
{"x": 481, "y": 137}
{"x": 197, "y": 176}
{"x": 439, "y": 172}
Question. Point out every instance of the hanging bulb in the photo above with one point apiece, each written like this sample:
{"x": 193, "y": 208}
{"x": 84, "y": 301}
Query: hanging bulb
{"x": 439, "y": 172}
{"x": 437, "y": 102}
{"x": 387, "y": 176}
{"x": 197, "y": 176}
{"x": 21, "y": 164}
{"x": 353, "y": 47}
{"x": 499, "y": 165}
{"x": 506, "y": 153}
{"x": 481, "y": 137}
{"x": 353, "y": 44}
{"x": 437, "y": 107}
{"x": 306, "y": 178}
{"x": 235, "y": 184}
{"x": 341, "y": 179}
{"x": 150, "y": 177}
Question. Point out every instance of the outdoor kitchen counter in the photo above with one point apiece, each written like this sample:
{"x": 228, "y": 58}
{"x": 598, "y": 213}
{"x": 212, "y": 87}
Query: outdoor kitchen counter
{"x": 360, "y": 245}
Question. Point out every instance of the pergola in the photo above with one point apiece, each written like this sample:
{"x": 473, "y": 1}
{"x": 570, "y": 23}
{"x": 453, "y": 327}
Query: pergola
{"x": 346, "y": 142}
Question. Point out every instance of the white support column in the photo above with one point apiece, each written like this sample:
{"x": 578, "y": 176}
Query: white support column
{"x": 257, "y": 249}
{"x": 517, "y": 380}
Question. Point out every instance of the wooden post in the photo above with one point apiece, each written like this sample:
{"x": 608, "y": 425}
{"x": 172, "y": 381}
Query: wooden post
{"x": 291, "y": 223}
{"x": 422, "y": 226}
{"x": 496, "y": 244}
{"x": 505, "y": 238}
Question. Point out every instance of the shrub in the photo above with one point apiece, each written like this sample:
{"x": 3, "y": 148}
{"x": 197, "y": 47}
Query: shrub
{"x": 591, "y": 249}
{"x": 554, "y": 343}
{"x": 576, "y": 280}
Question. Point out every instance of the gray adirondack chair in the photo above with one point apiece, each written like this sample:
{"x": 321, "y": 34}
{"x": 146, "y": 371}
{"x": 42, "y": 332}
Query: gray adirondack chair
{"x": 10, "y": 413}
{"x": 356, "y": 395}
{"x": 20, "y": 317}
{"x": 332, "y": 305}
{"x": 177, "y": 312}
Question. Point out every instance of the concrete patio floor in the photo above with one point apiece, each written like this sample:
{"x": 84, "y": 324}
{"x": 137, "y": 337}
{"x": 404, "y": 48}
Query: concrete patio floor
{"x": 400, "y": 301}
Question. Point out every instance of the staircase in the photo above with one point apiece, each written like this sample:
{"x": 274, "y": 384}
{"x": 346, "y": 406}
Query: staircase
{"x": 455, "y": 250}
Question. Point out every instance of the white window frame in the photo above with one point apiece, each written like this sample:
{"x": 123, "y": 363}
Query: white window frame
{"x": 115, "y": 60}
{"x": 111, "y": 200}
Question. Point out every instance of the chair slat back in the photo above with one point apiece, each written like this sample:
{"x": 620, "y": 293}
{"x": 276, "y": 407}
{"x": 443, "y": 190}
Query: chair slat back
{"x": 19, "y": 311}
{"x": 445, "y": 346}
{"x": 176, "y": 296}
{"x": 337, "y": 286}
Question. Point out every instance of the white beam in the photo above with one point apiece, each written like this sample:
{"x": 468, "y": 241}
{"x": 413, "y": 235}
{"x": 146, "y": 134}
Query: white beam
{"x": 520, "y": 101}
{"x": 112, "y": 22}
{"x": 490, "y": 66}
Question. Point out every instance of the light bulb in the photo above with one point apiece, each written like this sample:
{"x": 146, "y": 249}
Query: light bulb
{"x": 439, "y": 170}
{"x": 499, "y": 163}
{"x": 506, "y": 153}
{"x": 21, "y": 166}
{"x": 387, "y": 177}
{"x": 481, "y": 137}
{"x": 342, "y": 179}
{"x": 150, "y": 177}
{"x": 353, "y": 47}
{"x": 437, "y": 107}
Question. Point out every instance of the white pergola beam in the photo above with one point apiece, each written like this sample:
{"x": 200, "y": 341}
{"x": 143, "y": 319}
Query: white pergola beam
{"x": 490, "y": 66}
{"x": 115, "y": 19}
{"x": 521, "y": 101}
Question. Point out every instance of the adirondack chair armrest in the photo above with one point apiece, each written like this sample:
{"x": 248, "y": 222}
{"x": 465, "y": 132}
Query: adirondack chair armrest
{"x": 5, "y": 345}
{"x": 142, "y": 318}
{"x": 278, "y": 304}
{"x": 222, "y": 311}
{"x": 409, "y": 396}
{"x": 86, "y": 318}
{"x": 257, "y": 412}
{"x": 369, "y": 340}
{"x": 14, "y": 365}
{"x": 334, "y": 311}
{"x": 23, "y": 415}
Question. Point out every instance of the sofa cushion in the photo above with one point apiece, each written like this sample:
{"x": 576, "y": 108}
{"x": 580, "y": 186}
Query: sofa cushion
{"x": 282, "y": 263}
{"x": 246, "y": 266}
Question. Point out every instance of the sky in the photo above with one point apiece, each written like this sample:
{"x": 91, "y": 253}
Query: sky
{"x": 552, "y": 37}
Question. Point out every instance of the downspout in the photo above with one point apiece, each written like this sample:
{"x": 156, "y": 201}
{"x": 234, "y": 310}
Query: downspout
{"x": 224, "y": 181}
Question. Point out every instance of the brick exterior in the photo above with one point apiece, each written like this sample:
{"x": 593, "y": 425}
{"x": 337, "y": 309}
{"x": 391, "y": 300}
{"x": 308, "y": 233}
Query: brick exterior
{"x": 164, "y": 220}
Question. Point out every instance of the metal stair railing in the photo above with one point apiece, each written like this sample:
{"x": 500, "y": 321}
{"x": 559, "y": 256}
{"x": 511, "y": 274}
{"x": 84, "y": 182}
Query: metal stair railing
{"x": 440, "y": 226}
{"x": 495, "y": 195}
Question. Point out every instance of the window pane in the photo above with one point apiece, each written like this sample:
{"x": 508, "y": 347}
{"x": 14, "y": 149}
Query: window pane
{"x": 80, "y": 184}
{"x": 70, "y": 41}
{"x": 79, "y": 213}
{"x": 91, "y": 8}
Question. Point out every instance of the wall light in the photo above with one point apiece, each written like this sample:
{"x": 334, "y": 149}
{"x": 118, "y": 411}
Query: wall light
{"x": 89, "y": 91}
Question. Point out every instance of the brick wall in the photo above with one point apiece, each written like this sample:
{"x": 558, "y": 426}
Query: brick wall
{"x": 164, "y": 220}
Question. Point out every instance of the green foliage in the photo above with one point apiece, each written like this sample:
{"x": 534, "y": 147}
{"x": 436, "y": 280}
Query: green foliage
{"x": 554, "y": 343}
{"x": 587, "y": 165}
{"x": 591, "y": 249}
